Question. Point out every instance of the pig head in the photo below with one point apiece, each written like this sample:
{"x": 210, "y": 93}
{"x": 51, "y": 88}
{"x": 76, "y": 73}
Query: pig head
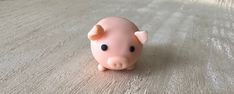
{"x": 116, "y": 43}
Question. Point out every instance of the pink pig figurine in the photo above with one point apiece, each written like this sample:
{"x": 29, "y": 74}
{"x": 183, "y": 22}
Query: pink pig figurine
{"x": 116, "y": 43}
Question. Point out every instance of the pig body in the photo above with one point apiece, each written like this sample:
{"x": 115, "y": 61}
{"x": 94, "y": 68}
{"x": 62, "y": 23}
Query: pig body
{"x": 116, "y": 43}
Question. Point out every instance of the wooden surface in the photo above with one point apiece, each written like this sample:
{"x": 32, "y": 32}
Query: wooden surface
{"x": 44, "y": 48}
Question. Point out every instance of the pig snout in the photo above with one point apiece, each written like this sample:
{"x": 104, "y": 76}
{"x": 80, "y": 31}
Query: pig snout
{"x": 117, "y": 62}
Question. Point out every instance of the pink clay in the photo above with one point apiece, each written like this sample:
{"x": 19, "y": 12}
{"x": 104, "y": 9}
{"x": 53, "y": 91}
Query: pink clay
{"x": 116, "y": 43}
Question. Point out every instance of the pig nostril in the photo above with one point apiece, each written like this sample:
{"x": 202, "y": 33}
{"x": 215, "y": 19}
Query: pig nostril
{"x": 120, "y": 65}
{"x": 114, "y": 64}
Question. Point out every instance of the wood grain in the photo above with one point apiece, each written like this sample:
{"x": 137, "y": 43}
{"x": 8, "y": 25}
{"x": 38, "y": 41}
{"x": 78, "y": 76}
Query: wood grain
{"x": 44, "y": 48}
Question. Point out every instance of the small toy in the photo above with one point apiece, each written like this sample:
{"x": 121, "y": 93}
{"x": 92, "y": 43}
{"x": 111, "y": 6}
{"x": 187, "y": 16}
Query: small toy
{"x": 116, "y": 43}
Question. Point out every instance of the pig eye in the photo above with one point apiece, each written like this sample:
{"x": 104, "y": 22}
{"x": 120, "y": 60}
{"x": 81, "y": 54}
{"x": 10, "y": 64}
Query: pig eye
{"x": 104, "y": 47}
{"x": 132, "y": 49}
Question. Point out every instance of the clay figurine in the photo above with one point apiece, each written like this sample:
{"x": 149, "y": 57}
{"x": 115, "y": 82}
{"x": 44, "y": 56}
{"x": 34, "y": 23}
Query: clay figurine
{"x": 116, "y": 43}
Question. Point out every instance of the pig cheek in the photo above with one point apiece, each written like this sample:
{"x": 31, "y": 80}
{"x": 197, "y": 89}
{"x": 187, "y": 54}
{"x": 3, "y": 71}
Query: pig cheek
{"x": 98, "y": 54}
{"x": 133, "y": 57}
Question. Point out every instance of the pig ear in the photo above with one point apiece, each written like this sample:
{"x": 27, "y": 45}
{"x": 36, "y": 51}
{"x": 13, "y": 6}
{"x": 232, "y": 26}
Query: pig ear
{"x": 96, "y": 32}
{"x": 142, "y": 36}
